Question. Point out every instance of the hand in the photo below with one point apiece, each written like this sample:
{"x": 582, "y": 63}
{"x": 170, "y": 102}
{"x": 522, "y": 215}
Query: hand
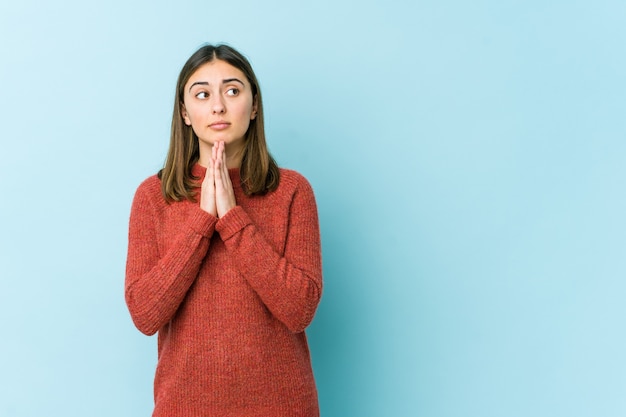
{"x": 207, "y": 190}
{"x": 224, "y": 193}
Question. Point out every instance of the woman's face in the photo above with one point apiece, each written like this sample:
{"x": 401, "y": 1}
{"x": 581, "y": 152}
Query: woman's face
{"x": 219, "y": 106}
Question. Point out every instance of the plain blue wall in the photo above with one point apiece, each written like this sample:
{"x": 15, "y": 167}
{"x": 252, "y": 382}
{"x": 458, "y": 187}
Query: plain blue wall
{"x": 469, "y": 160}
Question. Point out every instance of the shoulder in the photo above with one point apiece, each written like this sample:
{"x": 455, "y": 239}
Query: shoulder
{"x": 295, "y": 185}
{"x": 293, "y": 180}
{"x": 150, "y": 185}
{"x": 149, "y": 191}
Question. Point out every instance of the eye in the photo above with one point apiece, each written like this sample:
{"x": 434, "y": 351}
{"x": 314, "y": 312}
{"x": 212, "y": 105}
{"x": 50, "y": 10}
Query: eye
{"x": 233, "y": 91}
{"x": 202, "y": 95}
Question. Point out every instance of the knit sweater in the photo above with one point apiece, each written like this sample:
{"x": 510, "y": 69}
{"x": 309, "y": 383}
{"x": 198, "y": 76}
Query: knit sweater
{"x": 229, "y": 297}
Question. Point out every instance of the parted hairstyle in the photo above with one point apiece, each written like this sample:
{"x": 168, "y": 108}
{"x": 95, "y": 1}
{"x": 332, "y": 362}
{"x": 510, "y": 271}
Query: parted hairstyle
{"x": 259, "y": 171}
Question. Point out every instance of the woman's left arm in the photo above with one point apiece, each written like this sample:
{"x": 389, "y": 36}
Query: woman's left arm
{"x": 290, "y": 285}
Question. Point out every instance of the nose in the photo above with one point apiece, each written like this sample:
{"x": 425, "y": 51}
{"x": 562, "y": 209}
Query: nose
{"x": 217, "y": 105}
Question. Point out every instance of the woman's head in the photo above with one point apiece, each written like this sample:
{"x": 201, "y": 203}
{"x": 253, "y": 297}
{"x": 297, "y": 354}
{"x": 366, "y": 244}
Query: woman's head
{"x": 219, "y": 104}
{"x": 258, "y": 170}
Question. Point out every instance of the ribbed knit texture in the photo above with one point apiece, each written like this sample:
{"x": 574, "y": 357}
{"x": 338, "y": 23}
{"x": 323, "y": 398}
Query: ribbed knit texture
{"x": 230, "y": 299}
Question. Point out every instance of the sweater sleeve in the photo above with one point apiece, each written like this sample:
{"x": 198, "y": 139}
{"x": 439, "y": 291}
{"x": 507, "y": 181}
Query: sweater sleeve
{"x": 290, "y": 285}
{"x": 157, "y": 283}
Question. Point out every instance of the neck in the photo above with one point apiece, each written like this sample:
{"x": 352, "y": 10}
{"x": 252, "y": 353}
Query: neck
{"x": 233, "y": 156}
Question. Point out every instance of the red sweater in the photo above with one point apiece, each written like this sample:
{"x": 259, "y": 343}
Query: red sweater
{"x": 230, "y": 298}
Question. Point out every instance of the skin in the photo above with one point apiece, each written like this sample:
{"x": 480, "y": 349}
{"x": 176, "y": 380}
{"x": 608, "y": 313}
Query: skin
{"x": 218, "y": 105}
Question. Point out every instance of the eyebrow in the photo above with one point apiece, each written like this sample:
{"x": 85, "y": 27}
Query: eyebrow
{"x": 224, "y": 81}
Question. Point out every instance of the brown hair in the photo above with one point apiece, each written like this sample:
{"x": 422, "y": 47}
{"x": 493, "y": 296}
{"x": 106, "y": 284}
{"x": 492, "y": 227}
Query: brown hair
{"x": 259, "y": 171}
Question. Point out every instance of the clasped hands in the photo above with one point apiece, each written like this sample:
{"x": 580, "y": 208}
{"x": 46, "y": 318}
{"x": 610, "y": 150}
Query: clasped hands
{"x": 217, "y": 196}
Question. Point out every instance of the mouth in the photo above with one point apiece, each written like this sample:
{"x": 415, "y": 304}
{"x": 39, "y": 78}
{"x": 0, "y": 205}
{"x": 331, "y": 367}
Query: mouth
{"x": 219, "y": 125}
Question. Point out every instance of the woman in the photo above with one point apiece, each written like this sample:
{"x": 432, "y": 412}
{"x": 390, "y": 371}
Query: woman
{"x": 224, "y": 256}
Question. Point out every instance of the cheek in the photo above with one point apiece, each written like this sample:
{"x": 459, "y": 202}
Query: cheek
{"x": 247, "y": 111}
{"x": 192, "y": 114}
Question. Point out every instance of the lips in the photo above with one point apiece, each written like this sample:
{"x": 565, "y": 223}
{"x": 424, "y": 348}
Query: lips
{"x": 219, "y": 125}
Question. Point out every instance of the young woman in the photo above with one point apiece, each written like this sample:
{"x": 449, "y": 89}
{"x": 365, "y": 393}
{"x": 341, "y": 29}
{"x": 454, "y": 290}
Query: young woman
{"x": 224, "y": 256}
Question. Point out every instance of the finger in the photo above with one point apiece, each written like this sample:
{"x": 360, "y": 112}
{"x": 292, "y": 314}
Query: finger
{"x": 225, "y": 172}
{"x": 214, "y": 151}
{"x": 207, "y": 192}
{"x": 220, "y": 150}
{"x": 208, "y": 175}
{"x": 210, "y": 171}
{"x": 224, "y": 153}
{"x": 221, "y": 153}
{"x": 217, "y": 169}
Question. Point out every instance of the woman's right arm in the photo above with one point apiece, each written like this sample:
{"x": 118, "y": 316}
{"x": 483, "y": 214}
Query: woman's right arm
{"x": 157, "y": 283}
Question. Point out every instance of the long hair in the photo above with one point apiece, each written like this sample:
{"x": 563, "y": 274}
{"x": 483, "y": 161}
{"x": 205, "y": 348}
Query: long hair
{"x": 259, "y": 171}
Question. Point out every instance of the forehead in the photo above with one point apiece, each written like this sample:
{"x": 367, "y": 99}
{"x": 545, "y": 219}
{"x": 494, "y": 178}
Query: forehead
{"x": 215, "y": 72}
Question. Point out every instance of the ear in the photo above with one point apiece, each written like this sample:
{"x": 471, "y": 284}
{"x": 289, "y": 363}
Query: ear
{"x": 183, "y": 112}
{"x": 255, "y": 106}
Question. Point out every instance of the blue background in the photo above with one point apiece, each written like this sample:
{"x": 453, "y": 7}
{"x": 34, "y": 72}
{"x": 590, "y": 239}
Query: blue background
{"x": 469, "y": 164}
